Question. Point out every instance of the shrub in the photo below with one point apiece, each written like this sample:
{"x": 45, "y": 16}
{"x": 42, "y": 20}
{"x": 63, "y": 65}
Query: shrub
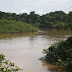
{"x": 60, "y": 53}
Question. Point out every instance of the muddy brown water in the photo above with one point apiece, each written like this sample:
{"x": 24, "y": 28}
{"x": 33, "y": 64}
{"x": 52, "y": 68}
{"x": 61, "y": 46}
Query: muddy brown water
{"x": 25, "y": 51}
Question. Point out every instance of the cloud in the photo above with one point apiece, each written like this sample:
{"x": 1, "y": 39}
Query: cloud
{"x": 42, "y": 11}
{"x": 26, "y": 6}
{"x": 25, "y": 11}
{"x": 53, "y": 2}
{"x": 70, "y": 7}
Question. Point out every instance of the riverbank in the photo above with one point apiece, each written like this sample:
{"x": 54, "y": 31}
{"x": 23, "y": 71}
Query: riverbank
{"x": 53, "y": 68}
{"x": 7, "y": 35}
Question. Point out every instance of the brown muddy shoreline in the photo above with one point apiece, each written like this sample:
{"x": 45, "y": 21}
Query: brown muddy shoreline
{"x": 8, "y": 35}
{"x": 53, "y": 68}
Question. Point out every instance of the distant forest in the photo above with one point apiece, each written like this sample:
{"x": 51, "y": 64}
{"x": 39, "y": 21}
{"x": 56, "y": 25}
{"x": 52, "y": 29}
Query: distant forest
{"x": 57, "y": 19}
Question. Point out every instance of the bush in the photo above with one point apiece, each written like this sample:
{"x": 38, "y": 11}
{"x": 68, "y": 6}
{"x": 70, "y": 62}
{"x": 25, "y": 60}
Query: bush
{"x": 60, "y": 53}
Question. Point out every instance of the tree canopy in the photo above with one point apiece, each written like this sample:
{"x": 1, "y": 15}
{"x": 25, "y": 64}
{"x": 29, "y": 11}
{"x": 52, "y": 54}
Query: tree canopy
{"x": 57, "y": 19}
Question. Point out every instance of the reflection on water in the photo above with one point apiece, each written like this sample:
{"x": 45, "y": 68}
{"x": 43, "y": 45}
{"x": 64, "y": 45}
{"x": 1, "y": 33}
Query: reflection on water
{"x": 56, "y": 33}
{"x": 25, "y": 51}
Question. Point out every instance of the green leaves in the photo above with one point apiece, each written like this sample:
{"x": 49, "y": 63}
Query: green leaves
{"x": 44, "y": 51}
{"x": 11, "y": 64}
{"x": 12, "y": 26}
{"x": 60, "y": 53}
{"x": 7, "y": 66}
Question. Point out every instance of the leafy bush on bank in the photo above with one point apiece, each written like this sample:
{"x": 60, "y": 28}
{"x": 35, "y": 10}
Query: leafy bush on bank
{"x": 60, "y": 53}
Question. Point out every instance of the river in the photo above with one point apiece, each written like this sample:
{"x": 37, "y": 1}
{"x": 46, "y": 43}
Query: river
{"x": 25, "y": 50}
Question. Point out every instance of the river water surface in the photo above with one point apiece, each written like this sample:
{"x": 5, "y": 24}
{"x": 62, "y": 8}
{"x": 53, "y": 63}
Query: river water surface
{"x": 25, "y": 51}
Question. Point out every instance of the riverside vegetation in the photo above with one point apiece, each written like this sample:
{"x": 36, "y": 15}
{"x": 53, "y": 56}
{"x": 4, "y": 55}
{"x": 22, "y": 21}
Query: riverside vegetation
{"x": 12, "y": 26}
{"x": 57, "y": 19}
{"x": 7, "y": 66}
{"x": 60, "y": 53}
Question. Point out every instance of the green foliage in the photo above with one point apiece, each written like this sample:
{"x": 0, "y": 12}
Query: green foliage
{"x": 7, "y": 66}
{"x": 60, "y": 53}
{"x": 57, "y": 19}
{"x": 12, "y": 26}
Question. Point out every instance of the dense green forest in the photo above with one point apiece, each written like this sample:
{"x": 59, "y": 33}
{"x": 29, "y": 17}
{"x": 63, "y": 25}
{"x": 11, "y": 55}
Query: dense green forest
{"x": 60, "y": 53}
{"x": 12, "y": 26}
{"x": 57, "y": 19}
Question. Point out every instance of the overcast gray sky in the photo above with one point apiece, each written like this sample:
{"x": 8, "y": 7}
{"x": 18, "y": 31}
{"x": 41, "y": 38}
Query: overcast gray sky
{"x": 39, "y": 6}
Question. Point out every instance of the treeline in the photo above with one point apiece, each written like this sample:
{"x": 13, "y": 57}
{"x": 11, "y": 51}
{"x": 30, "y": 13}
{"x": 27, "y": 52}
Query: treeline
{"x": 57, "y": 19}
{"x": 12, "y": 26}
{"x": 60, "y": 54}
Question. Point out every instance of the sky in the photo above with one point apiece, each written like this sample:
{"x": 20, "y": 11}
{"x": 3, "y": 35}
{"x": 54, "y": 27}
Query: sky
{"x": 39, "y": 6}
